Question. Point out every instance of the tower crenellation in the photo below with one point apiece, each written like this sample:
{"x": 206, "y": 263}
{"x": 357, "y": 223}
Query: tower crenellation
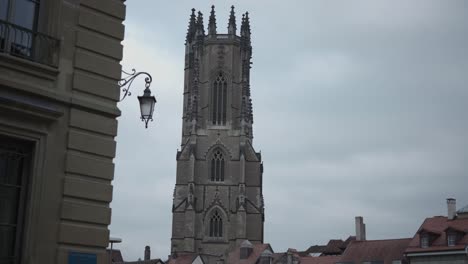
{"x": 218, "y": 200}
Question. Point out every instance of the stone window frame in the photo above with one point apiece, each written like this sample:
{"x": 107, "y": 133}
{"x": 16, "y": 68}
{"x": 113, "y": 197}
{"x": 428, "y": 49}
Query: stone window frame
{"x": 216, "y": 224}
{"x": 207, "y": 222}
{"x": 22, "y": 151}
{"x": 217, "y": 163}
{"x": 219, "y": 99}
{"x": 36, "y": 42}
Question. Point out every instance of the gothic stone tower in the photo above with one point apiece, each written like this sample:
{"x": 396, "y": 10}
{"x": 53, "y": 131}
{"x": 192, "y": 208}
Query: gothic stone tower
{"x": 218, "y": 199}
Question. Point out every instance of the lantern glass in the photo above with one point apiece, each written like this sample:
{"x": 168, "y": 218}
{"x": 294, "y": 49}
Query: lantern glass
{"x": 147, "y": 103}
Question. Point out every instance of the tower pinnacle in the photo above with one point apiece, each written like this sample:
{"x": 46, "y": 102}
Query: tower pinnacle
{"x": 232, "y": 22}
{"x": 199, "y": 25}
{"x": 191, "y": 28}
{"x": 212, "y": 23}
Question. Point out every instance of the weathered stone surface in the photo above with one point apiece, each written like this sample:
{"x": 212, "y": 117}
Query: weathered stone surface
{"x": 216, "y": 136}
{"x": 86, "y": 189}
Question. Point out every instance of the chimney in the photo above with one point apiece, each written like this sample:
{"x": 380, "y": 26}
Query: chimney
{"x": 289, "y": 257}
{"x": 360, "y": 229}
{"x": 147, "y": 253}
{"x": 451, "y": 208}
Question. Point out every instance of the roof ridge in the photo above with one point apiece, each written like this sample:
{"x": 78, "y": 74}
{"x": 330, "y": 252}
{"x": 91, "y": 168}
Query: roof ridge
{"x": 377, "y": 240}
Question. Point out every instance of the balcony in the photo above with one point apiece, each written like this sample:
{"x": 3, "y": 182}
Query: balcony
{"x": 27, "y": 44}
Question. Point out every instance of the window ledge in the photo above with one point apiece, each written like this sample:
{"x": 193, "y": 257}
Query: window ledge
{"x": 29, "y": 67}
{"x": 29, "y": 106}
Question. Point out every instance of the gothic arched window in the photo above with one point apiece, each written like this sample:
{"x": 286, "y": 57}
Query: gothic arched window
{"x": 216, "y": 225}
{"x": 217, "y": 166}
{"x": 219, "y": 100}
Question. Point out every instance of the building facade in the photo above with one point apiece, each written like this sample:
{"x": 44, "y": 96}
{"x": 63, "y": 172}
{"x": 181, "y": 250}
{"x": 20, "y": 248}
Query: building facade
{"x": 218, "y": 199}
{"x": 441, "y": 239}
{"x": 59, "y": 67}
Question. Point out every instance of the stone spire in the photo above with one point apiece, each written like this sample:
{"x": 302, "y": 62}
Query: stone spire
{"x": 212, "y": 23}
{"x": 191, "y": 28}
{"x": 246, "y": 28}
{"x": 232, "y": 22}
{"x": 200, "y": 31}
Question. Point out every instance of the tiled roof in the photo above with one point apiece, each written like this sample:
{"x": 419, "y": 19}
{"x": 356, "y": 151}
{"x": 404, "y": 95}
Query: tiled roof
{"x": 463, "y": 210}
{"x": 334, "y": 247}
{"x": 182, "y": 259}
{"x": 317, "y": 249}
{"x": 375, "y": 250}
{"x": 116, "y": 255}
{"x": 257, "y": 250}
{"x": 438, "y": 225}
{"x": 347, "y": 241}
{"x": 320, "y": 260}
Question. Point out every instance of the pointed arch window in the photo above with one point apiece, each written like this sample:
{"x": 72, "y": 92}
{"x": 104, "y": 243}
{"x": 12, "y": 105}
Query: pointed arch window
{"x": 216, "y": 225}
{"x": 219, "y": 100}
{"x": 217, "y": 166}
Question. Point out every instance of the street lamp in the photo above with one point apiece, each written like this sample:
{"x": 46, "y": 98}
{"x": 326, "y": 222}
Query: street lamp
{"x": 147, "y": 101}
{"x": 113, "y": 240}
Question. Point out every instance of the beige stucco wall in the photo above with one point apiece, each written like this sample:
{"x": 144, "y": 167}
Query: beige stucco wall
{"x": 69, "y": 112}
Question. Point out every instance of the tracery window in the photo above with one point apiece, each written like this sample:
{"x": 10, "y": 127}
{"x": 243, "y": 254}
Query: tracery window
{"x": 219, "y": 100}
{"x": 216, "y": 225}
{"x": 217, "y": 166}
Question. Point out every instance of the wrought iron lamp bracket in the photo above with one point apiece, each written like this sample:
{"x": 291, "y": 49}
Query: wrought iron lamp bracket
{"x": 126, "y": 82}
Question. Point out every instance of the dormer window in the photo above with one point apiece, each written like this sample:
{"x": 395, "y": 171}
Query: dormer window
{"x": 451, "y": 239}
{"x": 424, "y": 240}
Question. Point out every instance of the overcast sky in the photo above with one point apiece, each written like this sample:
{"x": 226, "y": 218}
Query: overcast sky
{"x": 360, "y": 108}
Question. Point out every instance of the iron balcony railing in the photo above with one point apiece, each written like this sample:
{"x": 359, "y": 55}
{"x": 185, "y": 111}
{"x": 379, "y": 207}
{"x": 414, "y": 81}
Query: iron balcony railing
{"x": 27, "y": 44}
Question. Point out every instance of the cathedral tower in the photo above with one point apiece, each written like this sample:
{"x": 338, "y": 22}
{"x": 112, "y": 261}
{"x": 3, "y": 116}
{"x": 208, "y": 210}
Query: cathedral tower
{"x": 218, "y": 199}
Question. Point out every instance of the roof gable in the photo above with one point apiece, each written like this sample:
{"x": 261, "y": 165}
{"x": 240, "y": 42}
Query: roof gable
{"x": 440, "y": 225}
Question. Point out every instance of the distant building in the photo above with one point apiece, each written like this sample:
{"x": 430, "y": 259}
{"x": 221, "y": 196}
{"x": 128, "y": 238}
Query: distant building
{"x": 441, "y": 239}
{"x": 118, "y": 259}
{"x": 59, "y": 67}
{"x": 386, "y": 251}
{"x": 218, "y": 200}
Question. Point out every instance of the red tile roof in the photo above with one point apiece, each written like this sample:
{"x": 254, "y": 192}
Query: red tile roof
{"x": 320, "y": 260}
{"x": 334, "y": 247}
{"x": 234, "y": 256}
{"x": 116, "y": 255}
{"x": 438, "y": 225}
{"x": 375, "y": 250}
{"x": 182, "y": 259}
